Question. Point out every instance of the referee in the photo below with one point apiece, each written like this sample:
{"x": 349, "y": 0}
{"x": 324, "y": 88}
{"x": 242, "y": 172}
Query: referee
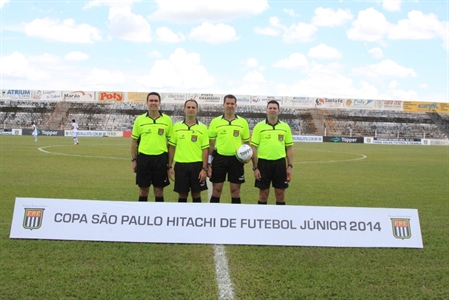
{"x": 226, "y": 134}
{"x": 272, "y": 159}
{"x": 189, "y": 147}
{"x": 149, "y": 157}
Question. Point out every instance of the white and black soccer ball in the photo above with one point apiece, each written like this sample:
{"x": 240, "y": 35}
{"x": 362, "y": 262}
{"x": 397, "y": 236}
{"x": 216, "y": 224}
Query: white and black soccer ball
{"x": 244, "y": 153}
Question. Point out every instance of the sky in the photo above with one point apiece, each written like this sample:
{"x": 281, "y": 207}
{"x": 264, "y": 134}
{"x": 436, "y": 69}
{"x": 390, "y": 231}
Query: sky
{"x": 385, "y": 50}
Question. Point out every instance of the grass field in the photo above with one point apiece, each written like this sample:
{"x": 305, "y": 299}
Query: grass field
{"x": 324, "y": 175}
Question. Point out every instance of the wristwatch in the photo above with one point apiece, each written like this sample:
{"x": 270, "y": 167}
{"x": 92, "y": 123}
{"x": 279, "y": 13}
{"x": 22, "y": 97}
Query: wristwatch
{"x": 290, "y": 165}
{"x": 255, "y": 168}
{"x": 205, "y": 168}
{"x": 133, "y": 159}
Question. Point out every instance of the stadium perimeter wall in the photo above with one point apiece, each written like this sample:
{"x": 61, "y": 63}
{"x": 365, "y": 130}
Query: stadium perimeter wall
{"x": 248, "y": 100}
{"x": 296, "y": 138}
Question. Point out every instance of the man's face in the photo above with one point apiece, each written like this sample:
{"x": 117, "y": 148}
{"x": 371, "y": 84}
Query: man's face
{"x": 272, "y": 110}
{"x": 229, "y": 105}
{"x": 153, "y": 103}
{"x": 190, "y": 109}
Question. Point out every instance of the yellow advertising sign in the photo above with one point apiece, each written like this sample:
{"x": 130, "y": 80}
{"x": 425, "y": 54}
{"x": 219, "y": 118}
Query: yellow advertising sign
{"x": 439, "y": 107}
{"x": 137, "y": 97}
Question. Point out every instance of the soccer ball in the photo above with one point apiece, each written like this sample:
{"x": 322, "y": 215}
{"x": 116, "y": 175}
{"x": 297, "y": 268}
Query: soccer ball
{"x": 244, "y": 153}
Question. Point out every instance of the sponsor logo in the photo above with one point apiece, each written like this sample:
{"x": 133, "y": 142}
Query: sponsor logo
{"x": 335, "y": 139}
{"x": 33, "y": 218}
{"x": 401, "y": 228}
{"x": 111, "y": 96}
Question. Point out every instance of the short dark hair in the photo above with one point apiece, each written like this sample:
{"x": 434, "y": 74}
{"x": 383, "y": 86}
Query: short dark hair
{"x": 154, "y": 93}
{"x": 273, "y": 101}
{"x": 73, "y": 120}
{"x": 185, "y": 103}
{"x": 230, "y": 97}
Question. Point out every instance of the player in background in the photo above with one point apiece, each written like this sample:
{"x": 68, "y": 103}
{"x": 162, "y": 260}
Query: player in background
{"x": 75, "y": 132}
{"x": 226, "y": 134}
{"x": 189, "y": 147}
{"x": 34, "y": 133}
{"x": 149, "y": 151}
{"x": 272, "y": 144}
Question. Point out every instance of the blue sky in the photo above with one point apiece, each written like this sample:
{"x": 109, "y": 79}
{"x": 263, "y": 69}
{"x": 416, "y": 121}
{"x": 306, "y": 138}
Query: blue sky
{"x": 340, "y": 49}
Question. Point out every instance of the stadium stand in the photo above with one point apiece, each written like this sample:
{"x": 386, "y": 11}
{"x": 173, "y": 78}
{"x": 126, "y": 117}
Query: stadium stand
{"x": 120, "y": 116}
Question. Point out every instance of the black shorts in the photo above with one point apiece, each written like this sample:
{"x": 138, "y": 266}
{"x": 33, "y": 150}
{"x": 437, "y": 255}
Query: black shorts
{"x": 186, "y": 177}
{"x": 272, "y": 171}
{"x": 152, "y": 170}
{"x": 222, "y": 165}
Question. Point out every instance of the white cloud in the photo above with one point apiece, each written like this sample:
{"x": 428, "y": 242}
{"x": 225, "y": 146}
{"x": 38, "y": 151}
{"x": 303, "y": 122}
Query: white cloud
{"x": 252, "y": 63}
{"x": 165, "y": 34}
{"x": 76, "y": 55}
{"x": 300, "y": 32}
{"x": 66, "y": 31}
{"x": 385, "y": 68}
{"x": 181, "y": 70}
{"x": 376, "y": 52}
{"x": 370, "y": 26}
{"x": 418, "y": 26}
{"x": 289, "y": 12}
{"x": 155, "y": 54}
{"x": 392, "y": 5}
{"x": 128, "y": 26}
{"x": 294, "y": 61}
{"x": 207, "y": 10}
{"x": 329, "y": 17}
{"x": 3, "y": 2}
{"x": 213, "y": 34}
{"x": 254, "y": 76}
{"x": 120, "y": 3}
{"x": 104, "y": 77}
{"x": 424, "y": 85}
{"x": 324, "y": 51}
{"x": 17, "y": 65}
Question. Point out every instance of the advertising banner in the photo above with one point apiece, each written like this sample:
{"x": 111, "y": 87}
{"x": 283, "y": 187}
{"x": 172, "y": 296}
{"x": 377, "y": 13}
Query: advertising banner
{"x": 46, "y": 95}
{"x": 263, "y": 100}
{"x": 205, "y": 223}
{"x": 343, "y": 139}
{"x": 207, "y": 98}
{"x": 392, "y": 141}
{"x": 298, "y": 102}
{"x": 329, "y": 102}
{"x": 16, "y": 94}
{"x": 359, "y": 104}
{"x": 308, "y": 138}
{"x": 104, "y": 96}
{"x": 438, "y": 107}
{"x": 44, "y": 132}
{"x": 174, "y": 98}
{"x": 389, "y": 105}
{"x": 86, "y": 133}
{"x": 78, "y": 96}
{"x": 137, "y": 97}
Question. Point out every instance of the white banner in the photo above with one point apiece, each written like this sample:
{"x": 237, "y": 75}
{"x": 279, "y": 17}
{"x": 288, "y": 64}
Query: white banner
{"x": 86, "y": 133}
{"x": 205, "y": 223}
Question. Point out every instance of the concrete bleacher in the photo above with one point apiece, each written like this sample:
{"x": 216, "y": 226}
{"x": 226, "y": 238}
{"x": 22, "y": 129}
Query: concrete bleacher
{"x": 120, "y": 116}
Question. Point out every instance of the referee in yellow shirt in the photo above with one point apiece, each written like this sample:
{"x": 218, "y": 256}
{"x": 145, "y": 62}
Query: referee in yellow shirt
{"x": 226, "y": 134}
{"x": 149, "y": 151}
{"x": 189, "y": 147}
{"x": 272, "y": 144}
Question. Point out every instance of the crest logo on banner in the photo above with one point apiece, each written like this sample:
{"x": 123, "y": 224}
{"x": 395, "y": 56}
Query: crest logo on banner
{"x": 401, "y": 228}
{"x": 33, "y": 218}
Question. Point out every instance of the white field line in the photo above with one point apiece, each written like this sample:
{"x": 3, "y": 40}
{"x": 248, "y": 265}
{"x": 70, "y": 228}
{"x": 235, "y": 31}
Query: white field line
{"x": 225, "y": 289}
{"x": 78, "y": 155}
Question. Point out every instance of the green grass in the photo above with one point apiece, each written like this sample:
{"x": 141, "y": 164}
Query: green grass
{"x": 324, "y": 175}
